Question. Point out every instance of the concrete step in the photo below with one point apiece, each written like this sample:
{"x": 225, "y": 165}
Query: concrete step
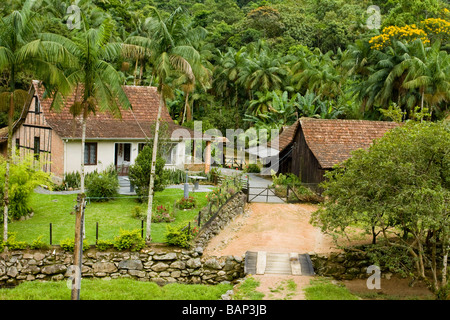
{"x": 262, "y": 262}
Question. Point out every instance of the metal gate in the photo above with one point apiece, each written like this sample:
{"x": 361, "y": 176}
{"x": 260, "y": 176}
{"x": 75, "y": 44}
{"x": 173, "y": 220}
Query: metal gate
{"x": 263, "y": 194}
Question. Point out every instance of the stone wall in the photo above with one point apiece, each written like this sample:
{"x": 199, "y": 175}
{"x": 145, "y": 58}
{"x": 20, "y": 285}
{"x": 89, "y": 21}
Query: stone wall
{"x": 158, "y": 263}
{"x": 234, "y": 207}
{"x": 162, "y": 266}
{"x": 345, "y": 265}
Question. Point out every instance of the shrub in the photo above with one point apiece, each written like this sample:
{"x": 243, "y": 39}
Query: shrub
{"x": 68, "y": 244}
{"x": 129, "y": 240}
{"x": 162, "y": 214}
{"x": 13, "y": 244}
{"x": 252, "y": 168}
{"x": 39, "y": 244}
{"x": 102, "y": 186}
{"x": 138, "y": 213}
{"x": 72, "y": 180}
{"x": 186, "y": 203}
{"x": 23, "y": 179}
{"x": 139, "y": 173}
{"x": 104, "y": 245}
{"x": 176, "y": 236}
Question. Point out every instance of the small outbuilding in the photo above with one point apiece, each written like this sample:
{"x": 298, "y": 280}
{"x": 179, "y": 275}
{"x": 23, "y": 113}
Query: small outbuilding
{"x": 310, "y": 146}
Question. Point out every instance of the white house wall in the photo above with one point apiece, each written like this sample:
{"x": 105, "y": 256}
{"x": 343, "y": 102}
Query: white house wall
{"x": 106, "y": 154}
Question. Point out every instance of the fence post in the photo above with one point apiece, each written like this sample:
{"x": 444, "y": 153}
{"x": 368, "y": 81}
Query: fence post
{"x": 287, "y": 194}
{"x": 142, "y": 228}
{"x": 51, "y": 234}
{"x": 189, "y": 228}
{"x": 199, "y": 217}
{"x": 248, "y": 188}
{"x": 96, "y": 233}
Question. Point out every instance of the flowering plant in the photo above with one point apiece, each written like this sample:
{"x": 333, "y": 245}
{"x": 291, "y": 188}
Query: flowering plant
{"x": 186, "y": 203}
{"x": 162, "y": 214}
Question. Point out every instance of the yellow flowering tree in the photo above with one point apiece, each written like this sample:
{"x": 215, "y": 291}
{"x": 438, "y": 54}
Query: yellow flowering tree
{"x": 429, "y": 30}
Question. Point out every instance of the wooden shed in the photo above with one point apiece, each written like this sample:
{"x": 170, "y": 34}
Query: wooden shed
{"x": 310, "y": 147}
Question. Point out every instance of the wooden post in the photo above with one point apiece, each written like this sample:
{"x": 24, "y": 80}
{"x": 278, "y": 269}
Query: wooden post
{"x": 208, "y": 157}
{"x": 78, "y": 248}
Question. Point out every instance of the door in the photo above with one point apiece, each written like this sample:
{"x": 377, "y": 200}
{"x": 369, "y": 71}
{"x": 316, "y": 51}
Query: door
{"x": 122, "y": 158}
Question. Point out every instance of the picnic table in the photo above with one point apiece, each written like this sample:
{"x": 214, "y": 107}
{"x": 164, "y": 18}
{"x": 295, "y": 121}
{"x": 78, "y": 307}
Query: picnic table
{"x": 196, "y": 180}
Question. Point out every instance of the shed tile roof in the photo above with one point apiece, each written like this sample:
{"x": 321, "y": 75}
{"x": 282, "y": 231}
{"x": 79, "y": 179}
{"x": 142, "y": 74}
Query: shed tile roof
{"x": 285, "y": 138}
{"x": 332, "y": 140}
{"x": 103, "y": 125}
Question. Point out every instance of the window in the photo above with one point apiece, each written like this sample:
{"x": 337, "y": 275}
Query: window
{"x": 37, "y": 105}
{"x": 37, "y": 147}
{"x": 90, "y": 153}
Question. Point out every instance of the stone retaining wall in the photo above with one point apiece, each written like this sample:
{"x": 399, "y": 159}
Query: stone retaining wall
{"x": 161, "y": 264}
{"x": 234, "y": 207}
{"x": 347, "y": 265}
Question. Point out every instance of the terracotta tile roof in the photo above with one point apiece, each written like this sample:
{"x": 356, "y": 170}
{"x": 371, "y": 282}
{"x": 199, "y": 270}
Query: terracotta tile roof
{"x": 285, "y": 138}
{"x": 332, "y": 141}
{"x": 103, "y": 125}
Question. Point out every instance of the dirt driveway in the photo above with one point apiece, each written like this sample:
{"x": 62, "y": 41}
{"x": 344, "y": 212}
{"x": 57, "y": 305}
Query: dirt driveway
{"x": 272, "y": 228}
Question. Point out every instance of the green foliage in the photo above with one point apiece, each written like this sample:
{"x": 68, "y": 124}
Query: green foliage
{"x": 24, "y": 178}
{"x": 178, "y": 236}
{"x": 138, "y": 213}
{"x": 104, "y": 245}
{"x": 39, "y": 244}
{"x": 72, "y": 180}
{"x": 68, "y": 244}
{"x": 102, "y": 186}
{"x": 252, "y": 168}
{"x": 401, "y": 183}
{"x": 129, "y": 240}
{"x": 139, "y": 173}
{"x": 286, "y": 179}
{"x": 13, "y": 244}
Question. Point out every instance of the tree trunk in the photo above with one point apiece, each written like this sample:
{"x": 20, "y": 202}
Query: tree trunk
{"x": 83, "y": 143}
{"x": 148, "y": 237}
{"x": 8, "y": 165}
{"x": 445, "y": 249}
{"x": 83, "y": 151}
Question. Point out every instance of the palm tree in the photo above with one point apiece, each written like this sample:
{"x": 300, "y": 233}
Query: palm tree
{"x": 171, "y": 55}
{"x": 263, "y": 71}
{"x": 92, "y": 73}
{"x": 19, "y": 52}
{"x": 429, "y": 72}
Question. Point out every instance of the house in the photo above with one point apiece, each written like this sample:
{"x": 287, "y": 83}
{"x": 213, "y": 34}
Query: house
{"x": 310, "y": 146}
{"x": 54, "y": 137}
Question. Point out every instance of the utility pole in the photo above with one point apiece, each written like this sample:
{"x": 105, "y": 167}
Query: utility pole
{"x": 78, "y": 247}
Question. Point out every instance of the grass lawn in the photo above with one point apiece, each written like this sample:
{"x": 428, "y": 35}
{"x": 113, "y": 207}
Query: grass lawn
{"x": 323, "y": 289}
{"x": 116, "y": 289}
{"x": 111, "y": 217}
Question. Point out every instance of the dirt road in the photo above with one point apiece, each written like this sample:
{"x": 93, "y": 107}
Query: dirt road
{"x": 272, "y": 228}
